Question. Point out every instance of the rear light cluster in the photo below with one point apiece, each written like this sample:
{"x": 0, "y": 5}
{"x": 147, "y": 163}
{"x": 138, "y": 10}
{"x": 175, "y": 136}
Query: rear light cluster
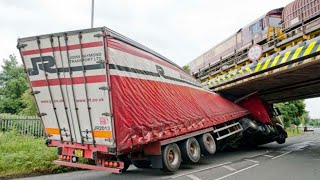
{"x": 65, "y": 158}
{"x": 68, "y": 158}
{"x": 107, "y": 163}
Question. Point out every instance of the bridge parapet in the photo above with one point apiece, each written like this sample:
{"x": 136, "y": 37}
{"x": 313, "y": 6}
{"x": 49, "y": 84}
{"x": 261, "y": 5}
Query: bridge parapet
{"x": 292, "y": 57}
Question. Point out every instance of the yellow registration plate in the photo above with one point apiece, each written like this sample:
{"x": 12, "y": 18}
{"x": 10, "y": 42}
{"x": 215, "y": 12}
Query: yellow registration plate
{"x": 78, "y": 153}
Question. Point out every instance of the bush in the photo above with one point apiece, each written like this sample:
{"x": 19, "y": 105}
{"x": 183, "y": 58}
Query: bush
{"x": 21, "y": 155}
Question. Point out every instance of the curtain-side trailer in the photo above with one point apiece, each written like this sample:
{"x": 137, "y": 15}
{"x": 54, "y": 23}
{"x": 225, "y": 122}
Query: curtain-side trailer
{"x": 108, "y": 98}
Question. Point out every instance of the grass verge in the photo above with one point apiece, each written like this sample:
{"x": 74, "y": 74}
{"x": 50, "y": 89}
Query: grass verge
{"x": 23, "y": 155}
{"x": 294, "y": 132}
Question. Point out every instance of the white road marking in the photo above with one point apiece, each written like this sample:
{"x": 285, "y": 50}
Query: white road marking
{"x": 266, "y": 155}
{"x": 260, "y": 154}
{"x": 250, "y": 160}
{"x": 199, "y": 170}
{"x": 193, "y": 177}
{"x": 229, "y": 168}
{"x": 281, "y": 155}
{"x": 237, "y": 172}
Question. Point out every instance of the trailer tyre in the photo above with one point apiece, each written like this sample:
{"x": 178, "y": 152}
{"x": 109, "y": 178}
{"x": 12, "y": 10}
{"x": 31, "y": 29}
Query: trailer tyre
{"x": 207, "y": 144}
{"x": 171, "y": 158}
{"x": 282, "y": 135}
{"x": 281, "y": 139}
{"x": 249, "y": 126}
{"x": 190, "y": 150}
{"x": 142, "y": 163}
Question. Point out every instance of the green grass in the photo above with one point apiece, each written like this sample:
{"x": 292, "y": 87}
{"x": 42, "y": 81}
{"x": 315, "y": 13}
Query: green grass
{"x": 294, "y": 132}
{"x": 23, "y": 155}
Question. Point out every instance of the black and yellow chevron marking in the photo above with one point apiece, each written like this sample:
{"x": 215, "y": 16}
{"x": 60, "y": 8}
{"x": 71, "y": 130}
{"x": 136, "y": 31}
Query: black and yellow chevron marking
{"x": 309, "y": 49}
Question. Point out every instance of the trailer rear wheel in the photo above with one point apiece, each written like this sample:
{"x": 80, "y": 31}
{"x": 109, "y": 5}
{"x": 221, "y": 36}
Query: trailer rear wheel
{"x": 281, "y": 139}
{"x": 142, "y": 163}
{"x": 282, "y": 135}
{"x": 207, "y": 144}
{"x": 190, "y": 150}
{"x": 126, "y": 166}
{"x": 127, "y": 162}
{"x": 171, "y": 157}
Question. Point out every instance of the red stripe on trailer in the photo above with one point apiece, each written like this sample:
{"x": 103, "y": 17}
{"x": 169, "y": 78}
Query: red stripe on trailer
{"x": 67, "y": 81}
{"x": 63, "y": 48}
{"x": 146, "y": 111}
{"x": 115, "y": 44}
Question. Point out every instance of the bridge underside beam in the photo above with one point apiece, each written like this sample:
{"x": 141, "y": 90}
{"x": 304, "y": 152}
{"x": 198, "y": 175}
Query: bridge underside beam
{"x": 300, "y": 82}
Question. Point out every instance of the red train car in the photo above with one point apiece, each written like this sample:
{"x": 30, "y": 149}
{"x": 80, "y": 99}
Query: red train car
{"x": 300, "y": 12}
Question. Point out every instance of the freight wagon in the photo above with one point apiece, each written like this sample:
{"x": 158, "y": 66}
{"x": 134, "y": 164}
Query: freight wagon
{"x": 105, "y": 97}
{"x": 275, "y": 31}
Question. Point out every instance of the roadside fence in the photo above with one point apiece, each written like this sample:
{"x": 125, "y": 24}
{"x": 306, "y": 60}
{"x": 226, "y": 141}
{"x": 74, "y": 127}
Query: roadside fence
{"x": 26, "y": 125}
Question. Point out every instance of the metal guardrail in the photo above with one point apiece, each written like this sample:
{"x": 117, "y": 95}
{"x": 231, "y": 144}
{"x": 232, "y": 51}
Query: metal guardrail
{"x": 284, "y": 59}
{"x": 26, "y": 125}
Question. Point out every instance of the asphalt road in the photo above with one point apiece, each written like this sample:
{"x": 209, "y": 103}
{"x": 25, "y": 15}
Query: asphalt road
{"x": 298, "y": 158}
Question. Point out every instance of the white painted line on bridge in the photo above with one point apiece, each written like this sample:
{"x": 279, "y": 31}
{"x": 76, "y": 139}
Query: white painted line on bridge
{"x": 281, "y": 155}
{"x": 266, "y": 155}
{"x": 193, "y": 177}
{"x": 229, "y": 168}
{"x": 199, "y": 170}
{"x": 236, "y": 172}
{"x": 250, "y": 160}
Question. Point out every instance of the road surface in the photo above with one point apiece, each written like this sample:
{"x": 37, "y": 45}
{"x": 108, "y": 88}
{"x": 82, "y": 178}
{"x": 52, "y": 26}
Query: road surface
{"x": 299, "y": 158}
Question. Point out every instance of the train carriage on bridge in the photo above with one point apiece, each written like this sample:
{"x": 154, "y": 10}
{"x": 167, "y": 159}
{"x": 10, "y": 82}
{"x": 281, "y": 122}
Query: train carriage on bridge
{"x": 276, "y": 31}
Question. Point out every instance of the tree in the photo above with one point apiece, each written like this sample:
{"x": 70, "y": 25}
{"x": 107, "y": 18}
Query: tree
{"x": 30, "y": 108}
{"x": 186, "y": 68}
{"x": 292, "y": 112}
{"x": 15, "y": 97}
{"x": 12, "y": 85}
{"x": 314, "y": 122}
{"x": 306, "y": 118}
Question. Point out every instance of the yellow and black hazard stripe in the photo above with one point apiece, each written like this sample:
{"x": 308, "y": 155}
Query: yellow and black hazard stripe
{"x": 297, "y": 54}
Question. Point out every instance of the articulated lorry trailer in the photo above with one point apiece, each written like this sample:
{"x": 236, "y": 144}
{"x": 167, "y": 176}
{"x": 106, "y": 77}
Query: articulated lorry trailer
{"x": 105, "y": 97}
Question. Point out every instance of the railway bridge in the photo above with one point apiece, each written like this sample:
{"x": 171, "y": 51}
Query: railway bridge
{"x": 276, "y": 56}
{"x": 288, "y": 75}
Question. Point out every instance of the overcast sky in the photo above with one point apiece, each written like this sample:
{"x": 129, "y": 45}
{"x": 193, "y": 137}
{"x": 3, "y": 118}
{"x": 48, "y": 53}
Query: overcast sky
{"x": 178, "y": 29}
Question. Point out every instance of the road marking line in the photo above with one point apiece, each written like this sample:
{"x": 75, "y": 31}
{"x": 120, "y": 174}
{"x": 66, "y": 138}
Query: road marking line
{"x": 266, "y": 155}
{"x": 250, "y": 160}
{"x": 193, "y": 177}
{"x": 261, "y": 154}
{"x": 229, "y": 168}
{"x": 281, "y": 155}
{"x": 199, "y": 170}
{"x": 237, "y": 172}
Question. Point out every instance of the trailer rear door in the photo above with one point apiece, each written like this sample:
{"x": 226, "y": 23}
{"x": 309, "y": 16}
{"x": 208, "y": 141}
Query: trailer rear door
{"x": 68, "y": 77}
